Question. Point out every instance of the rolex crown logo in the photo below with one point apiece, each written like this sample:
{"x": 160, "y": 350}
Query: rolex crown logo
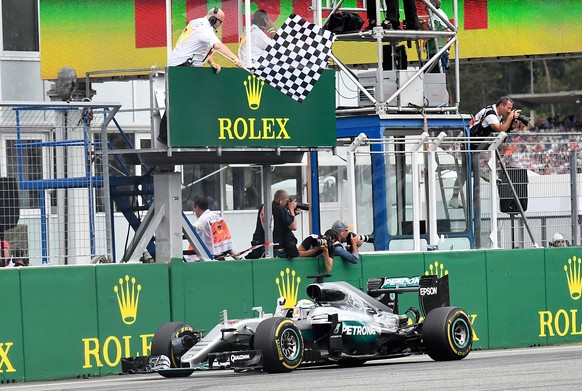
{"x": 127, "y": 298}
{"x": 573, "y": 277}
{"x": 254, "y": 89}
{"x": 288, "y": 287}
{"x": 437, "y": 269}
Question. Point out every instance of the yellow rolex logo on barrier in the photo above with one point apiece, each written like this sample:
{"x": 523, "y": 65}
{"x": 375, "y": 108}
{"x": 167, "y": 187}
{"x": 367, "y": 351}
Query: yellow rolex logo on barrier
{"x": 288, "y": 286}
{"x": 128, "y": 299}
{"x": 437, "y": 269}
{"x": 254, "y": 90}
{"x": 565, "y": 322}
{"x": 5, "y": 364}
{"x": 573, "y": 277}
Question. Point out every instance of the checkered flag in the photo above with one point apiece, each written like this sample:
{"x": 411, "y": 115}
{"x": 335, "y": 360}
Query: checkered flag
{"x": 295, "y": 59}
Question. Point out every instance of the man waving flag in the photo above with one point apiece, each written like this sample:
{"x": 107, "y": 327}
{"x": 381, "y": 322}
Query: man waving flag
{"x": 293, "y": 62}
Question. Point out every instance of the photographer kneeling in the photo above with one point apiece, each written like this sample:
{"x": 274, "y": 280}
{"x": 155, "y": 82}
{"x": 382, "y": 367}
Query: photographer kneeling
{"x": 316, "y": 245}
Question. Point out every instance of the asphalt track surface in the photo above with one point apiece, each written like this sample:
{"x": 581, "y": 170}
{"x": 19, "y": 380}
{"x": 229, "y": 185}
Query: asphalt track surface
{"x": 540, "y": 368}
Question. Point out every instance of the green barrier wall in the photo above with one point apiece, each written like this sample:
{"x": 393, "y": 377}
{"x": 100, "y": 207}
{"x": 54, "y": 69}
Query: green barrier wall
{"x": 560, "y": 320}
{"x": 132, "y": 302}
{"x": 516, "y": 292}
{"x": 59, "y": 309}
{"x": 467, "y": 286}
{"x": 11, "y": 338}
{"x": 78, "y": 321}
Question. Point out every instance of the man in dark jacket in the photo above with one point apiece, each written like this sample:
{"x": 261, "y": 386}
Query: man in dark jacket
{"x": 283, "y": 224}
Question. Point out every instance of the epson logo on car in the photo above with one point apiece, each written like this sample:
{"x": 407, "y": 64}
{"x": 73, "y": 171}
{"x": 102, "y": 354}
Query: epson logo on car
{"x": 239, "y": 357}
{"x": 358, "y": 330}
{"x": 431, "y": 290}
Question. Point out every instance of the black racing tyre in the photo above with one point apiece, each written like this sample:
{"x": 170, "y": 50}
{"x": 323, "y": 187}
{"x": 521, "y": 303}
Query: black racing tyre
{"x": 171, "y": 332}
{"x": 447, "y": 334}
{"x": 281, "y": 344}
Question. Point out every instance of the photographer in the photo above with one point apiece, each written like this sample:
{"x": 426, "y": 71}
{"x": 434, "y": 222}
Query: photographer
{"x": 500, "y": 117}
{"x": 491, "y": 118}
{"x": 283, "y": 222}
{"x": 316, "y": 245}
{"x": 348, "y": 244}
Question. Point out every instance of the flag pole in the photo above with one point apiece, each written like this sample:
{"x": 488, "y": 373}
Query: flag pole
{"x": 231, "y": 60}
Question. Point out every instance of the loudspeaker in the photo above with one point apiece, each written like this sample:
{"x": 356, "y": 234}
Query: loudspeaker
{"x": 518, "y": 177}
{"x": 9, "y": 205}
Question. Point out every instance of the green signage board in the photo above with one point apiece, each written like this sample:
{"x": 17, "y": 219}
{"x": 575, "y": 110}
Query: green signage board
{"x": 516, "y": 293}
{"x": 236, "y": 109}
{"x": 133, "y": 300}
{"x": 11, "y": 334}
{"x": 59, "y": 310}
{"x": 467, "y": 287}
{"x": 560, "y": 321}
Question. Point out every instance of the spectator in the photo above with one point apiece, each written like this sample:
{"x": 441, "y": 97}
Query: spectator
{"x": 147, "y": 257}
{"x": 283, "y": 223}
{"x": 262, "y": 30}
{"x": 558, "y": 240}
{"x": 20, "y": 257}
{"x": 213, "y": 230}
{"x": 316, "y": 245}
{"x": 4, "y": 253}
{"x": 347, "y": 247}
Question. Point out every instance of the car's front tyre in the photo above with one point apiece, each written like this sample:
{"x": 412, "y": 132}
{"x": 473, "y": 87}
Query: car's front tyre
{"x": 173, "y": 340}
{"x": 280, "y": 343}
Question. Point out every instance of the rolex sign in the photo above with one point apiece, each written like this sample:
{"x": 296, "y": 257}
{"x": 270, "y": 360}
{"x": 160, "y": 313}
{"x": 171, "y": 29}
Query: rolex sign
{"x": 235, "y": 108}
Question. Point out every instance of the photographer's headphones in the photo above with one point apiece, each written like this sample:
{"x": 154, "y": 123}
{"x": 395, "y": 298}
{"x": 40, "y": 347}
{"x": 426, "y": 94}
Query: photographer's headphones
{"x": 213, "y": 19}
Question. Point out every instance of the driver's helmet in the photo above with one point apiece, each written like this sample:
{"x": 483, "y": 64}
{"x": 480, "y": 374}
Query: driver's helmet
{"x": 302, "y": 308}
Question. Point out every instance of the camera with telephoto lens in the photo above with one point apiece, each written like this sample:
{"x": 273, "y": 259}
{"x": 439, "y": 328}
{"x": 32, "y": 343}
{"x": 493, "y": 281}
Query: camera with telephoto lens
{"x": 300, "y": 205}
{"x": 324, "y": 240}
{"x": 523, "y": 119}
{"x": 363, "y": 238}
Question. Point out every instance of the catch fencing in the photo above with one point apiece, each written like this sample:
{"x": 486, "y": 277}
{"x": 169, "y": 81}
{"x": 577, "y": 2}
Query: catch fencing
{"x": 53, "y": 208}
{"x": 553, "y": 162}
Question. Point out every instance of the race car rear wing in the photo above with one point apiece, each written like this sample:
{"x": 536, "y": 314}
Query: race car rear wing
{"x": 433, "y": 292}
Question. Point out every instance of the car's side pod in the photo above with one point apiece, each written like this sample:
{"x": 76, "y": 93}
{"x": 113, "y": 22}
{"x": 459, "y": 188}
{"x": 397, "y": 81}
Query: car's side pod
{"x": 433, "y": 292}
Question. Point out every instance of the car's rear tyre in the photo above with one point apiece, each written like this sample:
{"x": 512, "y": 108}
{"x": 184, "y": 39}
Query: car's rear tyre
{"x": 173, "y": 340}
{"x": 447, "y": 334}
{"x": 281, "y": 344}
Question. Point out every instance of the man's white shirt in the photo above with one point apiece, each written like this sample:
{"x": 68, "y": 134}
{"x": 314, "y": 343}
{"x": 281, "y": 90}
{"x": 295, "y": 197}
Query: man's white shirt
{"x": 259, "y": 42}
{"x": 195, "y": 42}
{"x": 490, "y": 119}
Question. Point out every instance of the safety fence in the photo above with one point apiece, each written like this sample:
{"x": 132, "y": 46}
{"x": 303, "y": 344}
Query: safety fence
{"x": 53, "y": 207}
{"x": 80, "y": 321}
{"x": 551, "y": 193}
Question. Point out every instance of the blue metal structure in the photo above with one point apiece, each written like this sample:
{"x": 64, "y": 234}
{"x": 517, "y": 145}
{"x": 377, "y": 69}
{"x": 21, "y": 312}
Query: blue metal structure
{"x": 379, "y": 127}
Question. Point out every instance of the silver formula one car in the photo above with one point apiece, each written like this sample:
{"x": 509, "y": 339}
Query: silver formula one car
{"x": 339, "y": 325}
